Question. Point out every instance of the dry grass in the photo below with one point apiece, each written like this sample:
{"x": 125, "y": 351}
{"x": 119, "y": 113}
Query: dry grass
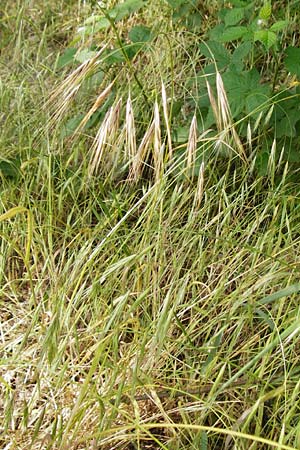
{"x": 149, "y": 289}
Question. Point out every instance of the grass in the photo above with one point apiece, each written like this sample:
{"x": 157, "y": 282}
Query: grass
{"x": 154, "y": 310}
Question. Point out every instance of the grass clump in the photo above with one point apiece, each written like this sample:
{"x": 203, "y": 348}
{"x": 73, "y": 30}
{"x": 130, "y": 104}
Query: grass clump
{"x": 149, "y": 265}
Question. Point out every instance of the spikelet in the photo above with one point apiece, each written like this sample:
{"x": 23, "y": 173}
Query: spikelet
{"x": 105, "y": 139}
{"x": 130, "y": 132}
{"x": 222, "y": 113}
{"x": 62, "y": 97}
{"x": 192, "y": 148}
{"x": 141, "y": 155}
{"x": 200, "y": 187}
{"x": 100, "y": 99}
{"x": 166, "y": 117}
{"x": 158, "y": 149}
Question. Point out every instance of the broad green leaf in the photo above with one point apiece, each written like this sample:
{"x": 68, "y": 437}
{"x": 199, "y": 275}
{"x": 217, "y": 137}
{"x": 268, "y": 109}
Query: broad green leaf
{"x": 232, "y": 34}
{"x": 244, "y": 91}
{"x": 140, "y": 33}
{"x": 93, "y": 19}
{"x": 10, "y": 168}
{"x": 256, "y": 101}
{"x": 181, "y": 134}
{"x": 66, "y": 57}
{"x": 70, "y": 126}
{"x": 217, "y": 32}
{"x": 123, "y": 10}
{"x": 262, "y": 162}
{"x": 240, "y": 53}
{"x": 292, "y": 60}
{"x": 217, "y": 52}
{"x": 280, "y": 25}
{"x": 266, "y": 11}
{"x": 84, "y": 55}
{"x": 89, "y": 29}
{"x": 193, "y": 20}
{"x": 266, "y": 37}
{"x": 234, "y": 16}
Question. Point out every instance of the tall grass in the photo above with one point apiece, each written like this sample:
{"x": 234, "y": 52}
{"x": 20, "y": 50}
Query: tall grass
{"x": 158, "y": 305}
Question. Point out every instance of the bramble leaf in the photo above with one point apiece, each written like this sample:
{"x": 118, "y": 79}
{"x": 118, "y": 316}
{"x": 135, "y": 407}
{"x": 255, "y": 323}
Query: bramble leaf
{"x": 292, "y": 60}
{"x": 266, "y": 37}
{"x": 234, "y": 16}
{"x": 280, "y": 25}
{"x": 140, "y": 33}
{"x": 233, "y": 33}
{"x": 266, "y": 11}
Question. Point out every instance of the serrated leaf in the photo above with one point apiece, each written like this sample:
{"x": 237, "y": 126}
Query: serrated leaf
{"x": 292, "y": 60}
{"x": 216, "y": 33}
{"x": 194, "y": 20}
{"x": 266, "y": 37}
{"x": 234, "y": 16}
{"x": 217, "y": 52}
{"x": 140, "y": 33}
{"x": 232, "y": 34}
{"x": 244, "y": 91}
{"x": 266, "y": 11}
{"x": 280, "y": 25}
{"x": 240, "y": 53}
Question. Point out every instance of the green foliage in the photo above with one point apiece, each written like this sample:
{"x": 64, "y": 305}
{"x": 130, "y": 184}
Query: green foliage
{"x": 292, "y": 60}
{"x": 237, "y": 46}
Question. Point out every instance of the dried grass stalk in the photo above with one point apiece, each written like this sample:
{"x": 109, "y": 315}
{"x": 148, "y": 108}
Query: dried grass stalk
{"x": 141, "y": 155}
{"x": 166, "y": 117}
{"x": 106, "y": 137}
{"x": 222, "y": 113}
{"x": 157, "y": 145}
{"x": 100, "y": 99}
{"x": 62, "y": 97}
{"x": 200, "y": 187}
{"x": 192, "y": 148}
{"x": 130, "y": 148}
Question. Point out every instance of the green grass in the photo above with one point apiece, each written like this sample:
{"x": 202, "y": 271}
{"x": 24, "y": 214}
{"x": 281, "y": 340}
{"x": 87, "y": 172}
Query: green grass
{"x": 161, "y": 314}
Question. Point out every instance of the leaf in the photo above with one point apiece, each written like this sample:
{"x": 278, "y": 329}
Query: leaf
{"x": 123, "y": 10}
{"x": 266, "y": 11}
{"x": 292, "y": 60}
{"x": 102, "y": 23}
{"x": 216, "y": 51}
{"x": 194, "y": 20}
{"x": 66, "y": 57}
{"x": 241, "y": 52}
{"x": 262, "y": 162}
{"x": 70, "y": 126}
{"x": 140, "y": 33}
{"x": 232, "y": 34}
{"x": 216, "y": 33}
{"x": 175, "y": 3}
{"x": 10, "y": 168}
{"x": 280, "y": 25}
{"x": 234, "y": 16}
{"x": 244, "y": 91}
{"x": 266, "y": 37}
{"x": 289, "y": 290}
{"x": 85, "y": 55}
